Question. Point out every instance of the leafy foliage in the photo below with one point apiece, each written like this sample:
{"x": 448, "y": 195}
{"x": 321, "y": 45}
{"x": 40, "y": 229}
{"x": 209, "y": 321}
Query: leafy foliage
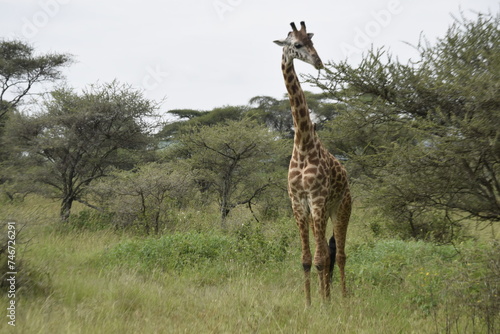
{"x": 236, "y": 161}
{"x": 192, "y": 251}
{"x": 145, "y": 197}
{"x": 79, "y": 139}
{"x": 423, "y": 137}
{"x": 21, "y": 69}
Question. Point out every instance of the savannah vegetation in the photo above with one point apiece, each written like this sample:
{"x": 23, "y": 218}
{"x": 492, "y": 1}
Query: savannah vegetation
{"x": 128, "y": 224}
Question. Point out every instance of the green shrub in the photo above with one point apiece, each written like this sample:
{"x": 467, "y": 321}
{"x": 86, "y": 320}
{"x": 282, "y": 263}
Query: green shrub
{"x": 184, "y": 250}
{"x": 253, "y": 246}
{"x": 170, "y": 252}
{"x": 472, "y": 292}
{"x": 461, "y": 284}
{"x": 386, "y": 262}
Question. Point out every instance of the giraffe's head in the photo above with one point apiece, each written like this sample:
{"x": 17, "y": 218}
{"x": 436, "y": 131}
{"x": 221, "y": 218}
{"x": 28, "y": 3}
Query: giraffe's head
{"x": 298, "y": 44}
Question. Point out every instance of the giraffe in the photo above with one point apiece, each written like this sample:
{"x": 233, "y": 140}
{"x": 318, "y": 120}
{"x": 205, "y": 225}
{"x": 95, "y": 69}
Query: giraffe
{"x": 317, "y": 181}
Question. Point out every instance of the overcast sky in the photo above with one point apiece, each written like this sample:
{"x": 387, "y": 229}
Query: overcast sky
{"x": 202, "y": 54}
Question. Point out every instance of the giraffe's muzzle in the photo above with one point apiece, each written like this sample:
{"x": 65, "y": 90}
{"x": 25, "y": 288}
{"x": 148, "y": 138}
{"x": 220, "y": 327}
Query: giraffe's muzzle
{"x": 318, "y": 64}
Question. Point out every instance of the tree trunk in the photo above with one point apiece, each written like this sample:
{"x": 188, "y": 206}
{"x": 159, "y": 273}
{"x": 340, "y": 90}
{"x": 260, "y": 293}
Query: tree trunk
{"x": 66, "y": 204}
{"x": 224, "y": 197}
{"x": 224, "y": 210}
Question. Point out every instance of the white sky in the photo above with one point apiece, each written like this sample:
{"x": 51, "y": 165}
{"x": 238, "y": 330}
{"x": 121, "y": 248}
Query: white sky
{"x": 202, "y": 54}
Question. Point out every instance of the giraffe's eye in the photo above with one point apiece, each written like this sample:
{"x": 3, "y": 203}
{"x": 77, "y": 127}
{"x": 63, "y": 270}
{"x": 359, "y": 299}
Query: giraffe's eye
{"x": 298, "y": 45}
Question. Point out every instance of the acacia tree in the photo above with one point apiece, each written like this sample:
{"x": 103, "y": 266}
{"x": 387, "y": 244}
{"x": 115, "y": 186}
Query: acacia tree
{"x": 237, "y": 161}
{"x": 424, "y": 137}
{"x": 275, "y": 113}
{"x": 79, "y": 138}
{"x": 278, "y": 117}
{"x": 21, "y": 69}
{"x": 188, "y": 118}
{"x": 145, "y": 196}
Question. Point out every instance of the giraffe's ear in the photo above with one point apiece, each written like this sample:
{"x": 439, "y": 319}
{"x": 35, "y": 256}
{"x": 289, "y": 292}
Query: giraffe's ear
{"x": 310, "y": 35}
{"x": 280, "y": 42}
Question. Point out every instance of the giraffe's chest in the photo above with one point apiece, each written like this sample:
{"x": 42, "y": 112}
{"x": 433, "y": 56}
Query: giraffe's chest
{"x": 309, "y": 174}
{"x": 316, "y": 176}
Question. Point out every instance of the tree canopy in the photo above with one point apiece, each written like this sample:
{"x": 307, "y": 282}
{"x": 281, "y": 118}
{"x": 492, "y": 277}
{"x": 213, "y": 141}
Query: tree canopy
{"x": 21, "y": 69}
{"x": 235, "y": 160}
{"x": 424, "y": 137}
{"x": 79, "y": 138}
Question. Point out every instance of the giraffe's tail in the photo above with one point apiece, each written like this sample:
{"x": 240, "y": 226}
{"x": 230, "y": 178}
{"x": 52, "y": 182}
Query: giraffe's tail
{"x": 333, "y": 252}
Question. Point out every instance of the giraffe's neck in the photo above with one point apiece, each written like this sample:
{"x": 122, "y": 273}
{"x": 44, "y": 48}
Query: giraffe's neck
{"x": 304, "y": 128}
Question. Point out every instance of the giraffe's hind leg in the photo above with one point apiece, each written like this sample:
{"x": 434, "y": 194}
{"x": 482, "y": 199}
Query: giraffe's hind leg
{"x": 340, "y": 232}
{"x": 306, "y": 259}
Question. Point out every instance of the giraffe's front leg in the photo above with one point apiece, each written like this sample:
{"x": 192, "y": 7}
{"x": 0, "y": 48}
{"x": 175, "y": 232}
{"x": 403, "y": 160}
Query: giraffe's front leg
{"x": 306, "y": 258}
{"x": 302, "y": 219}
{"x": 322, "y": 264}
{"x": 321, "y": 256}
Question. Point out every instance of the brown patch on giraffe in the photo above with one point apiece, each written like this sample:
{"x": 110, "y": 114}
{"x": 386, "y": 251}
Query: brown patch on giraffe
{"x": 309, "y": 179}
{"x": 311, "y": 170}
{"x": 321, "y": 170}
{"x": 309, "y": 146}
{"x": 304, "y": 126}
{"x": 314, "y": 161}
{"x": 298, "y": 100}
{"x": 293, "y": 174}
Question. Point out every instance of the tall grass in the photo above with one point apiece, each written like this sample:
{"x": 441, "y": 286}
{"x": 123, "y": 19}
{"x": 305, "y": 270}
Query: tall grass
{"x": 249, "y": 280}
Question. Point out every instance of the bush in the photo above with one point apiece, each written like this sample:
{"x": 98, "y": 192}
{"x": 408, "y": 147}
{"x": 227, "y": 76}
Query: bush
{"x": 253, "y": 246}
{"x": 145, "y": 198}
{"x": 461, "y": 285}
{"x": 170, "y": 252}
{"x": 473, "y": 291}
{"x": 425, "y": 225}
{"x": 184, "y": 250}
{"x": 388, "y": 262}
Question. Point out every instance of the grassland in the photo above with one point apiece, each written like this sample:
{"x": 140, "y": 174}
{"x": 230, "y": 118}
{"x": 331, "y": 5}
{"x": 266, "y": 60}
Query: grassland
{"x": 246, "y": 280}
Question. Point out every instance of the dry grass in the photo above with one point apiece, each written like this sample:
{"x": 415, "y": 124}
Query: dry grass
{"x": 86, "y": 297}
